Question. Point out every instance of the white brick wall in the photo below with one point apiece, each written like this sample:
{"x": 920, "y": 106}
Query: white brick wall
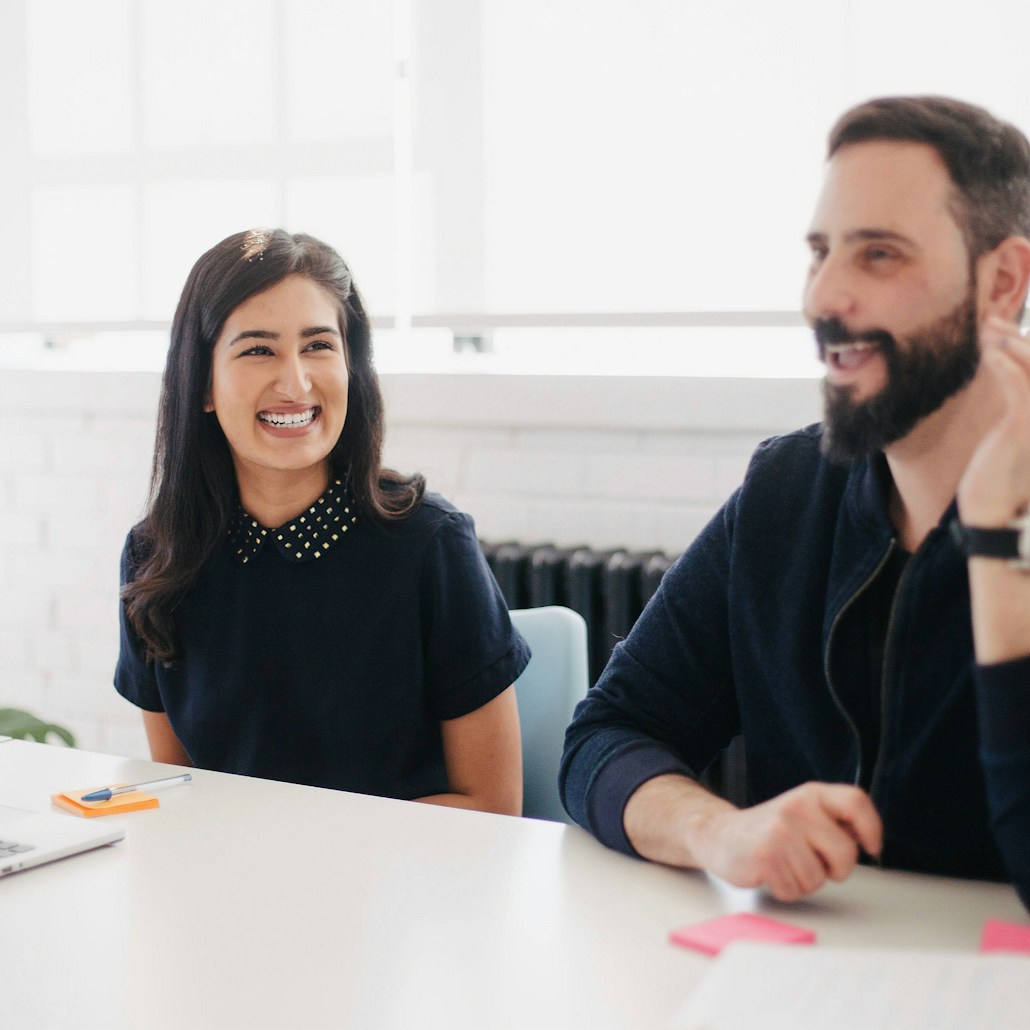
{"x": 603, "y": 461}
{"x": 74, "y": 459}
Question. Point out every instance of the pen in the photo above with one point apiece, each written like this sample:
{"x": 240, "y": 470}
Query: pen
{"x": 107, "y": 793}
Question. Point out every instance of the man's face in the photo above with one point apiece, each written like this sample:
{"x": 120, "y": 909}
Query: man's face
{"x": 890, "y": 294}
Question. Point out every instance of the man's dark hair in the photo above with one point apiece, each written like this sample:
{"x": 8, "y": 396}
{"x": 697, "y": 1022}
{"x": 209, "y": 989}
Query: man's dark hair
{"x": 988, "y": 159}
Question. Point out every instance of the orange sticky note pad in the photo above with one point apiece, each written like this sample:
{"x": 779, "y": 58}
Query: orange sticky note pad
{"x": 134, "y": 801}
{"x": 1002, "y": 936}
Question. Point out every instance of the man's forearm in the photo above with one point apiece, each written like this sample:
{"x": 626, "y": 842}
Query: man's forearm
{"x": 667, "y": 816}
{"x": 995, "y": 489}
{"x": 1000, "y": 596}
{"x": 792, "y": 843}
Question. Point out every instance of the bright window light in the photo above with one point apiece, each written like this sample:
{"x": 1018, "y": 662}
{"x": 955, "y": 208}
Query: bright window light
{"x": 584, "y": 186}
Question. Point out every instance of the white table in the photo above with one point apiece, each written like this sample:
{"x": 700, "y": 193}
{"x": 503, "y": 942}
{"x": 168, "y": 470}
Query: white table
{"x": 248, "y": 903}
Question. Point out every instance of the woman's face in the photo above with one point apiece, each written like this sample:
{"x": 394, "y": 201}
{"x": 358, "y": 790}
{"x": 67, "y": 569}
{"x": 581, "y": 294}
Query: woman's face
{"x": 279, "y": 380}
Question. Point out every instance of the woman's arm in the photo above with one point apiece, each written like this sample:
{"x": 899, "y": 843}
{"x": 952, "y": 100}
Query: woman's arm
{"x": 483, "y": 752}
{"x": 164, "y": 744}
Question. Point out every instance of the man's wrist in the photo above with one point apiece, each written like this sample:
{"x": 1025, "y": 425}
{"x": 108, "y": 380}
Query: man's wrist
{"x": 667, "y": 819}
{"x": 1009, "y": 543}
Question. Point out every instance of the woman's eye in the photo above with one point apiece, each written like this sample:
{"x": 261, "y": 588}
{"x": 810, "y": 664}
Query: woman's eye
{"x": 319, "y": 345}
{"x": 259, "y": 350}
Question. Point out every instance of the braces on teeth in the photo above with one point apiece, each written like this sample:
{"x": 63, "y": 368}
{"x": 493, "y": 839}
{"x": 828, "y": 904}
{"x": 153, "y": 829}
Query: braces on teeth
{"x": 301, "y": 419}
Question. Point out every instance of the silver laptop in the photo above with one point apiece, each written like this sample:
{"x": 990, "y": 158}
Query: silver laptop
{"x": 31, "y": 838}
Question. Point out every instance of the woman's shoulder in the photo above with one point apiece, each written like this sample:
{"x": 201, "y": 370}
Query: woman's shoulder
{"x": 436, "y": 525}
{"x": 434, "y": 514}
{"x": 138, "y": 547}
{"x": 437, "y": 507}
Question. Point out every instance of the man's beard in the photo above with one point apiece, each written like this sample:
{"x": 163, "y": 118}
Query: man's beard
{"x": 936, "y": 362}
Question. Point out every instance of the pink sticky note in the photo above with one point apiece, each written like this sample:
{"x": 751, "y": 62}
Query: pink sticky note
{"x": 713, "y": 935}
{"x": 999, "y": 936}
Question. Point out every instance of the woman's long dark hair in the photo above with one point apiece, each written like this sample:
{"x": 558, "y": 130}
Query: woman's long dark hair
{"x": 193, "y": 490}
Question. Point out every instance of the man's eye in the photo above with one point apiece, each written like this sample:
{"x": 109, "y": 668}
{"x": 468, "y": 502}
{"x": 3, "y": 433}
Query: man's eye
{"x": 879, "y": 254}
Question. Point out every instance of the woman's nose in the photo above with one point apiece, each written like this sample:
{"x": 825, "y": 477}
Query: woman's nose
{"x": 293, "y": 377}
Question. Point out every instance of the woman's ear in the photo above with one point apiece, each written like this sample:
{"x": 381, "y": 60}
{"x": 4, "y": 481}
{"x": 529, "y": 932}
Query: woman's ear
{"x": 1003, "y": 275}
{"x": 208, "y": 403}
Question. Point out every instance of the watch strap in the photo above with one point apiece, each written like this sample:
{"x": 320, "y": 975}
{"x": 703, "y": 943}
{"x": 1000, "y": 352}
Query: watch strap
{"x": 1011, "y": 542}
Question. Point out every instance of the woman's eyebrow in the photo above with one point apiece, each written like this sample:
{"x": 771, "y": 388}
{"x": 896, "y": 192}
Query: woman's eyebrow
{"x": 267, "y": 334}
{"x": 254, "y": 334}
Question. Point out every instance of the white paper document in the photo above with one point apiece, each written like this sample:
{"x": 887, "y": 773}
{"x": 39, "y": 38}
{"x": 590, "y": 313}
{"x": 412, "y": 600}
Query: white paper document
{"x": 780, "y": 987}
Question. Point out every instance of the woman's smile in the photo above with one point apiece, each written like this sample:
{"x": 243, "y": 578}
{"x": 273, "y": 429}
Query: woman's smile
{"x": 279, "y": 383}
{"x": 281, "y": 422}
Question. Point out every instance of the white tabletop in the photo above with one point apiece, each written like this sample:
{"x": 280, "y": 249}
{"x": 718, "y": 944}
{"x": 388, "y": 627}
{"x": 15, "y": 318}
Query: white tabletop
{"x": 248, "y": 903}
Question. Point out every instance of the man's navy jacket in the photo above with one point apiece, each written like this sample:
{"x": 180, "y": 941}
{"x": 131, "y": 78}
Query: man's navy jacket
{"x": 749, "y": 633}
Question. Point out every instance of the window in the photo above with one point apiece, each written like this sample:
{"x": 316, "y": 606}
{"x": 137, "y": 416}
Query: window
{"x": 154, "y": 129}
{"x": 553, "y": 176}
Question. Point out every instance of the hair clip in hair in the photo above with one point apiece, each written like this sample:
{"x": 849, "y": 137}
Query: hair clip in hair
{"x": 254, "y": 244}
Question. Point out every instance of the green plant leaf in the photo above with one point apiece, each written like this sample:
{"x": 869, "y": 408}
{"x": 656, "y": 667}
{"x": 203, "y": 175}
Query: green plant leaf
{"x": 24, "y": 726}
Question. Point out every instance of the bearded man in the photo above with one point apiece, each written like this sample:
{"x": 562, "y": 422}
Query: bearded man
{"x": 859, "y": 610}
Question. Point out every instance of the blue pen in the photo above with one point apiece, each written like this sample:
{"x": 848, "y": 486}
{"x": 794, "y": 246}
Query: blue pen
{"x": 109, "y": 792}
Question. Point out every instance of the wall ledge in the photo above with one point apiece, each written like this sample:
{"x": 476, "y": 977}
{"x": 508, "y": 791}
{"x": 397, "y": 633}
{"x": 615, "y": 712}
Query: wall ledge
{"x": 483, "y": 400}
{"x": 661, "y": 403}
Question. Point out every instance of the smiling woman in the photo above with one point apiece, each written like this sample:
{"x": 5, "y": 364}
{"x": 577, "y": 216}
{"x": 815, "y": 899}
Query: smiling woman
{"x": 291, "y": 609}
{"x": 279, "y": 391}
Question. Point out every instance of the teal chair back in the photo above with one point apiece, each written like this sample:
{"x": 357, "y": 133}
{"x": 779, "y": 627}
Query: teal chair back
{"x": 548, "y": 690}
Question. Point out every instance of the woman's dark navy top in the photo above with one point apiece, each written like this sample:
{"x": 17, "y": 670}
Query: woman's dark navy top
{"x": 328, "y": 651}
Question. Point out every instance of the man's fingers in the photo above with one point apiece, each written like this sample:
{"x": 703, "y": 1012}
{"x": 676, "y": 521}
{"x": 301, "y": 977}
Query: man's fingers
{"x": 852, "y": 808}
{"x": 1013, "y": 376}
{"x": 808, "y": 868}
{"x": 837, "y": 847}
{"x": 998, "y": 332}
{"x": 795, "y": 875}
{"x": 795, "y": 842}
{"x": 1008, "y": 351}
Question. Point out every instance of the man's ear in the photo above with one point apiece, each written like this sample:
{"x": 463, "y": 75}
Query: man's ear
{"x": 1003, "y": 275}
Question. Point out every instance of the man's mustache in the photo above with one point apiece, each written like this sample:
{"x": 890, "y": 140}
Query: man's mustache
{"x": 833, "y": 330}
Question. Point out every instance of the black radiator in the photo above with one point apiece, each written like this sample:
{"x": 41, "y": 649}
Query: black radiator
{"x": 608, "y": 588}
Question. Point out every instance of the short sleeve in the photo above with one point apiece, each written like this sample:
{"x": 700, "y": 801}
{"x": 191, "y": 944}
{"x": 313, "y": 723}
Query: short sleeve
{"x": 134, "y": 676}
{"x": 472, "y": 651}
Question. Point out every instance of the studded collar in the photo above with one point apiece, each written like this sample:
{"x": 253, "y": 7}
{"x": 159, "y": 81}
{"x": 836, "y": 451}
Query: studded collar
{"x": 312, "y": 534}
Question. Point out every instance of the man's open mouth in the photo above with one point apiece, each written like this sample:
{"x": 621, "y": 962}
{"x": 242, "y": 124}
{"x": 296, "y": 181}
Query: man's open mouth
{"x": 847, "y": 355}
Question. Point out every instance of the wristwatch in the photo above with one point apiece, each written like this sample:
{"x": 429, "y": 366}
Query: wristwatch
{"x": 1011, "y": 542}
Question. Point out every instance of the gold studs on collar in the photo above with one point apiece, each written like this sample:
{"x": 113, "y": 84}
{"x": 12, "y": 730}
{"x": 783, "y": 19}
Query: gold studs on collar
{"x": 310, "y": 535}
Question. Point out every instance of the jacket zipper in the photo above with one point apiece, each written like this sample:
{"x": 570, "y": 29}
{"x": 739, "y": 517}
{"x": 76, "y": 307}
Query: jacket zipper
{"x": 888, "y": 665}
{"x": 826, "y": 661}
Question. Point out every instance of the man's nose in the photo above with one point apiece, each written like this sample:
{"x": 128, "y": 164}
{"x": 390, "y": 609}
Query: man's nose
{"x": 830, "y": 291}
